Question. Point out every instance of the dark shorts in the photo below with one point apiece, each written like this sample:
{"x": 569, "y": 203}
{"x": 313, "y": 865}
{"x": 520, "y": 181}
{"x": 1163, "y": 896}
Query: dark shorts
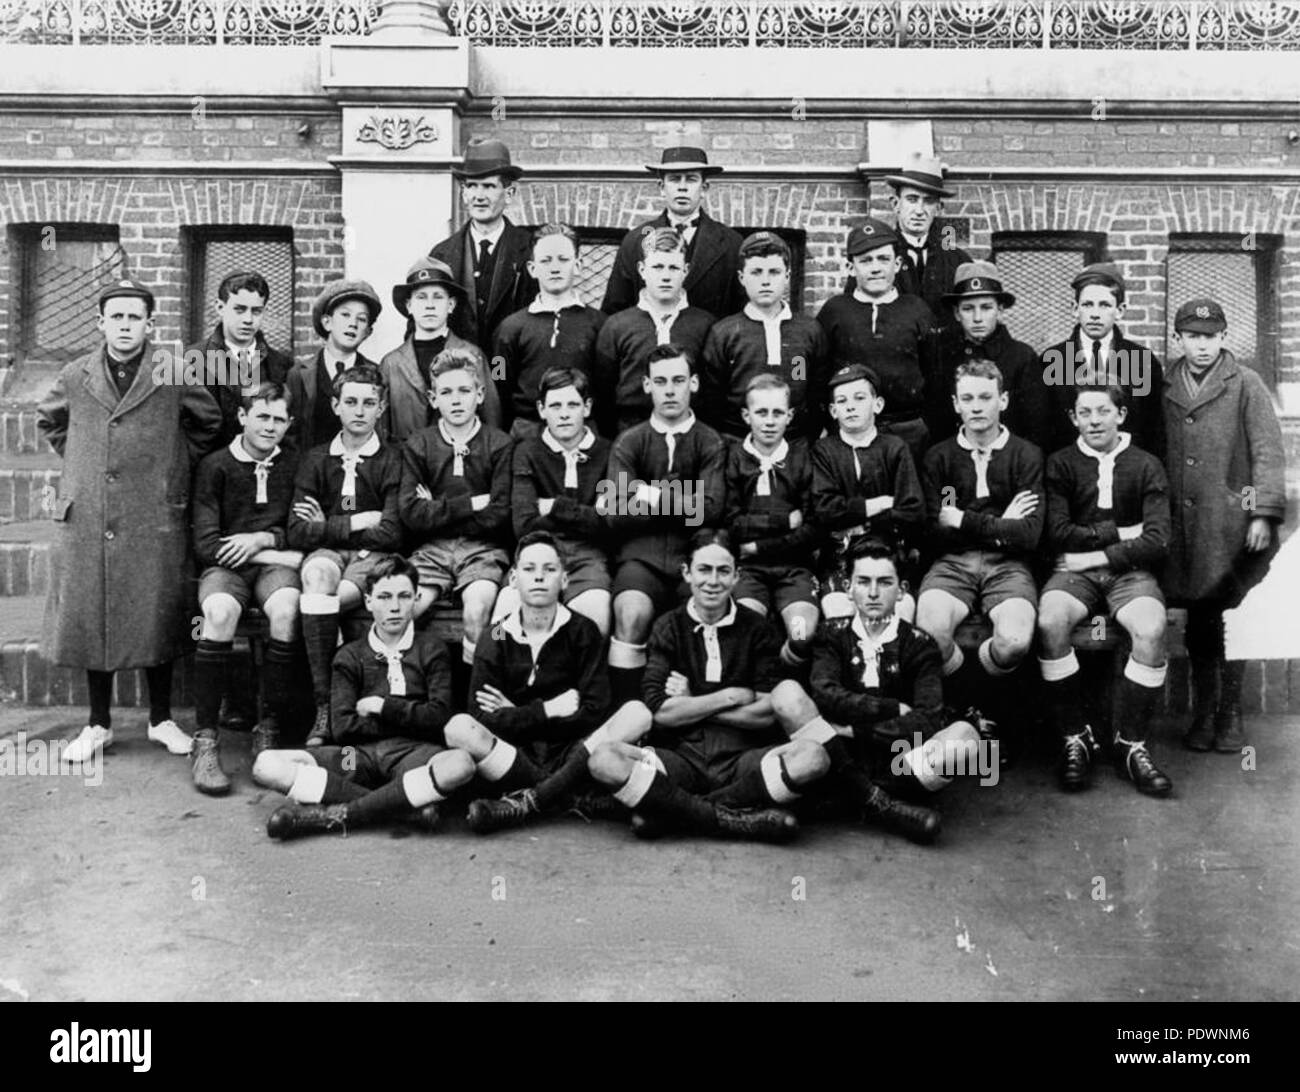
{"x": 374, "y": 764}
{"x": 1098, "y": 587}
{"x": 721, "y": 778}
{"x": 451, "y": 564}
{"x": 783, "y": 585}
{"x": 587, "y": 566}
{"x": 353, "y": 564}
{"x": 251, "y": 582}
{"x": 986, "y": 577}
{"x": 665, "y": 591}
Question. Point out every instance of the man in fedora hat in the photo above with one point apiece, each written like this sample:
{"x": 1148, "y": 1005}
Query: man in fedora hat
{"x": 489, "y": 255}
{"x": 711, "y": 248}
{"x": 342, "y": 316}
{"x": 977, "y": 302}
{"x": 929, "y": 262}
{"x": 429, "y": 298}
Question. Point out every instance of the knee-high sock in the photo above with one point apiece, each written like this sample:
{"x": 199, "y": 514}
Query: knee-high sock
{"x": 626, "y": 669}
{"x": 397, "y": 799}
{"x": 505, "y": 769}
{"x": 100, "y": 686}
{"x": 566, "y": 780}
{"x": 211, "y": 665}
{"x": 844, "y": 765}
{"x": 277, "y": 678}
{"x": 158, "y": 679}
{"x": 1139, "y": 689}
{"x": 667, "y": 801}
{"x": 317, "y": 785}
{"x": 1063, "y": 693}
{"x": 320, "y": 634}
{"x": 767, "y": 785}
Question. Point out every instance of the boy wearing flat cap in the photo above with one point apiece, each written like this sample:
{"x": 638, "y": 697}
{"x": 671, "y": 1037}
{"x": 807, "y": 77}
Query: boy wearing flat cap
{"x": 118, "y": 593}
{"x": 711, "y": 248}
{"x": 489, "y": 255}
{"x": 889, "y": 332}
{"x": 1227, "y": 497}
{"x": 342, "y": 316}
{"x": 429, "y": 298}
{"x": 976, "y": 305}
{"x": 1098, "y": 352}
{"x": 929, "y": 267}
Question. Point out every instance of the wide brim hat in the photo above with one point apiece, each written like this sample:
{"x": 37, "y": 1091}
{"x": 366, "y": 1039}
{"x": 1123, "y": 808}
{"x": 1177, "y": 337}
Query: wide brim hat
{"x": 337, "y": 292}
{"x": 977, "y": 279}
{"x": 684, "y": 159}
{"x": 427, "y": 271}
{"x": 484, "y": 157}
{"x": 922, "y": 172}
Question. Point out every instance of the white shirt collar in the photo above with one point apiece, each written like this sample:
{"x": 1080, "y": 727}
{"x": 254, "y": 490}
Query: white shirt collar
{"x": 876, "y": 301}
{"x": 867, "y": 441}
{"x": 886, "y": 635}
{"x": 403, "y": 643}
{"x": 680, "y": 429}
{"x": 726, "y": 620}
{"x": 543, "y": 305}
{"x": 964, "y": 441}
{"x": 493, "y": 236}
{"x": 370, "y": 447}
{"x": 237, "y": 449}
{"x": 588, "y": 438}
{"x": 646, "y": 304}
{"x": 513, "y": 624}
{"x": 752, "y": 312}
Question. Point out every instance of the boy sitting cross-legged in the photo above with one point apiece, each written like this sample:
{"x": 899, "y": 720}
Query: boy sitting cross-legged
{"x": 455, "y": 497}
{"x": 1108, "y": 523}
{"x": 722, "y": 757}
{"x": 538, "y": 695}
{"x": 242, "y": 495}
{"x": 984, "y": 502}
{"x": 345, "y": 513}
{"x": 391, "y": 697}
{"x": 769, "y": 512}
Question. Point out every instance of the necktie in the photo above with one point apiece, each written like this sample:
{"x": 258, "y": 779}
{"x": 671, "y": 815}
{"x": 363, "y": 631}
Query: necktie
{"x": 1096, "y": 361}
{"x": 459, "y": 448}
{"x": 393, "y": 656}
{"x": 571, "y": 457}
{"x": 871, "y": 648}
{"x": 1106, "y": 468}
{"x": 350, "y": 460}
{"x": 766, "y": 464}
{"x": 484, "y": 255}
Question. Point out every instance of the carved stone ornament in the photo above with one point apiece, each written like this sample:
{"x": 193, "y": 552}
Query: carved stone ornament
{"x": 397, "y": 133}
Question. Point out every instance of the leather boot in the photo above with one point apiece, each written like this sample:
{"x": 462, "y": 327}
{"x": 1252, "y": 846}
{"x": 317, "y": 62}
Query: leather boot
{"x": 1205, "y": 698}
{"x": 295, "y": 820}
{"x": 758, "y": 825}
{"x": 205, "y": 766}
{"x": 1229, "y": 731}
{"x": 916, "y": 823}
{"x": 512, "y": 810}
{"x": 1076, "y": 760}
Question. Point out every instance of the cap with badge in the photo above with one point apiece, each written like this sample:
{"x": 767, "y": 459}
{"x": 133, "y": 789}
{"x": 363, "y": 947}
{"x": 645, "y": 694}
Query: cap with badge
{"x": 854, "y": 373}
{"x": 485, "y": 156}
{"x": 129, "y": 288}
{"x": 978, "y": 279}
{"x": 427, "y": 271}
{"x": 870, "y": 235}
{"x": 1201, "y": 316}
{"x": 921, "y": 172}
{"x": 1099, "y": 273}
{"x": 337, "y": 292}
{"x": 683, "y": 159}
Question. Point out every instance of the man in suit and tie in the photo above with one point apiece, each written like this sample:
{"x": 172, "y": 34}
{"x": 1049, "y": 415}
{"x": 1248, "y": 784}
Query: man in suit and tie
{"x": 929, "y": 260}
{"x": 489, "y": 255}
{"x": 711, "y": 247}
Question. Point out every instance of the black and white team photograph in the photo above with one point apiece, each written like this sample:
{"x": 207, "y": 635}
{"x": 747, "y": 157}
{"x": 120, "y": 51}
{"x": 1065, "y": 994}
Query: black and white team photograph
{"x": 620, "y": 501}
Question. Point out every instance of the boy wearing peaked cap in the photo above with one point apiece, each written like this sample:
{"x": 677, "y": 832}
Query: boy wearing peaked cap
{"x": 489, "y": 255}
{"x": 342, "y": 316}
{"x": 929, "y": 268}
{"x": 1097, "y": 351}
{"x": 1227, "y": 494}
{"x": 711, "y": 248}
{"x": 878, "y": 326}
{"x": 430, "y": 298}
{"x": 977, "y": 303}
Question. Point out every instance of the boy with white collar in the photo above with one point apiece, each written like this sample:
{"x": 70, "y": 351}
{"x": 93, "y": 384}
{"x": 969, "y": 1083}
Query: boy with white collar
{"x": 556, "y": 330}
{"x": 764, "y": 338}
{"x": 344, "y": 516}
{"x": 984, "y": 504}
{"x": 1108, "y": 526}
{"x": 242, "y": 495}
{"x": 391, "y": 697}
{"x": 538, "y": 696}
{"x": 661, "y": 315}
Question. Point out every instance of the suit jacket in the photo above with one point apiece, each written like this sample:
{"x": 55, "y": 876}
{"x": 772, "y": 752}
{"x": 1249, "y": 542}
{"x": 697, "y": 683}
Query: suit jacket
{"x": 711, "y": 282}
{"x": 302, "y": 394}
{"x": 408, "y": 404}
{"x": 273, "y": 366}
{"x": 513, "y": 287}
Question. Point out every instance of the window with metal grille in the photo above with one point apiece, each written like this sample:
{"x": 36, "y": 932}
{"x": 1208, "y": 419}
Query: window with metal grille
{"x": 216, "y": 252}
{"x": 62, "y": 270}
{"x": 1240, "y": 274}
{"x": 1037, "y": 268}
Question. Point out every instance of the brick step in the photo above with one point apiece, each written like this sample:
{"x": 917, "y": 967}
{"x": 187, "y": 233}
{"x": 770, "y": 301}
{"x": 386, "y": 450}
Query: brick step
{"x": 25, "y": 557}
{"x": 28, "y": 485}
{"x": 18, "y": 433}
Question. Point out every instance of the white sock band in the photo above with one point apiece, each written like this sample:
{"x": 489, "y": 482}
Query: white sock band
{"x": 467, "y": 650}
{"x": 954, "y": 661}
{"x": 626, "y": 655}
{"x": 638, "y": 782}
{"x": 308, "y": 785}
{"x": 1056, "y": 670}
{"x": 818, "y": 730}
{"x": 419, "y": 787}
{"x": 498, "y": 761}
{"x": 1145, "y": 674}
{"x": 988, "y": 663}
{"x": 775, "y": 784}
{"x": 318, "y": 603}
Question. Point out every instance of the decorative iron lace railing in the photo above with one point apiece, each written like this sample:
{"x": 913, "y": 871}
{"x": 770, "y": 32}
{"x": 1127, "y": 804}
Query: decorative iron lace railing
{"x": 854, "y": 24}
